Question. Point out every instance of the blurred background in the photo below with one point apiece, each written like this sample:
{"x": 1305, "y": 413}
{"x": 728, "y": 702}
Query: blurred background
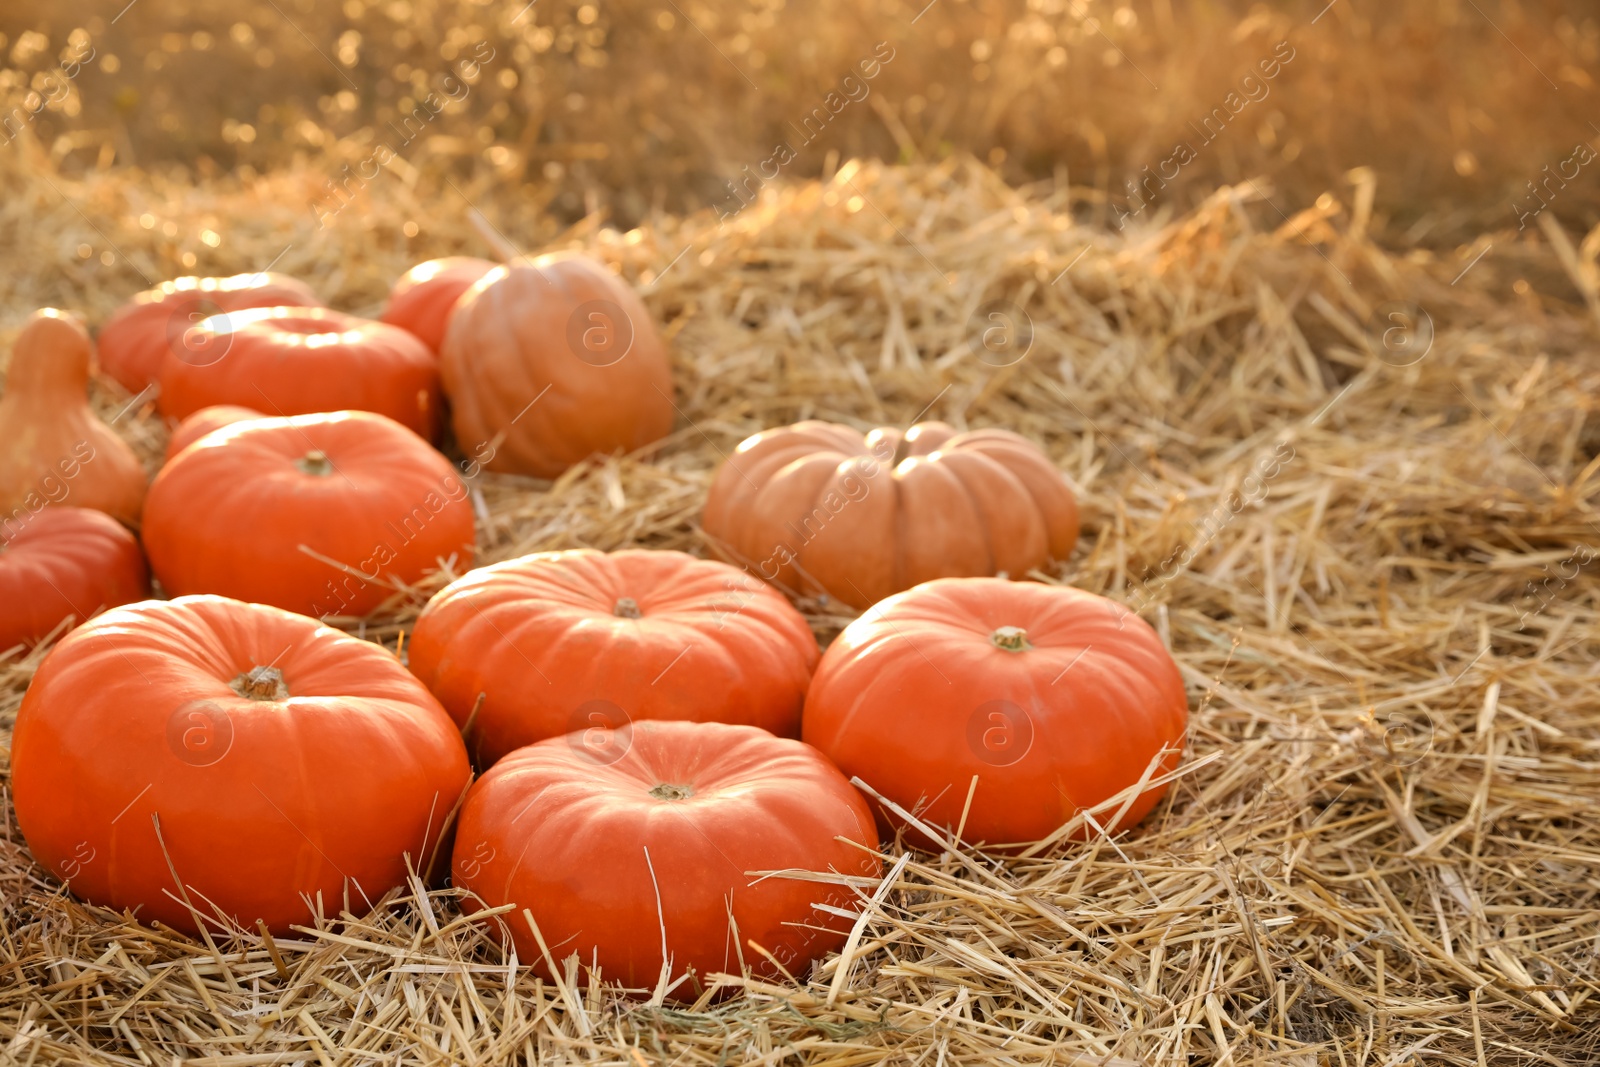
{"x": 1464, "y": 109}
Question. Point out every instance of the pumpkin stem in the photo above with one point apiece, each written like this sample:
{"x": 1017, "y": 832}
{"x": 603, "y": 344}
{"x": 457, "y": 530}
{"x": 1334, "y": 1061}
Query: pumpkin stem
{"x": 672, "y": 792}
{"x": 627, "y": 608}
{"x": 261, "y": 683}
{"x": 1011, "y": 638}
{"x": 315, "y": 463}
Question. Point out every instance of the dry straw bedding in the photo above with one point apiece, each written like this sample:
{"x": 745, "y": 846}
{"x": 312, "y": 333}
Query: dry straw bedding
{"x": 1381, "y": 847}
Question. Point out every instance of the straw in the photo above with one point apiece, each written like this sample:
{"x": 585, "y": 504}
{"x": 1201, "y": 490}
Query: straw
{"x": 1381, "y": 845}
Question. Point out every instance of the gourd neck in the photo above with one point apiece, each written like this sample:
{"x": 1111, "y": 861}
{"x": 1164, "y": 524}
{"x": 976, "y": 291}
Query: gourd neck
{"x": 1010, "y": 639}
{"x": 50, "y": 360}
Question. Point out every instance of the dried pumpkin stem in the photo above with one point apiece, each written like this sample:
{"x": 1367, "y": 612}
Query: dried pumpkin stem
{"x": 261, "y": 683}
{"x": 627, "y": 608}
{"x": 672, "y": 792}
{"x": 316, "y": 463}
{"x": 1011, "y": 638}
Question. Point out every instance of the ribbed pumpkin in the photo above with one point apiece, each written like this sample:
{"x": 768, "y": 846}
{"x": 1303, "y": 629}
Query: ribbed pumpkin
{"x": 64, "y": 563}
{"x": 320, "y": 514}
{"x": 552, "y": 360}
{"x": 53, "y": 448}
{"x": 821, "y": 508}
{"x": 659, "y": 851}
{"x": 1051, "y": 698}
{"x": 135, "y": 341}
{"x": 560, "y": 641}
{"x": 204, "y": 421}
{"x": 260, "y": 757}
{"x": 296, "y": 361}
{"x": 425, "y": 296}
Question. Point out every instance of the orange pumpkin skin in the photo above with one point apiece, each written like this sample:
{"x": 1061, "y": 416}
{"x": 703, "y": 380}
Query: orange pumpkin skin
{"x": 203, "y": 422}
{"x": 425, "y": 296}
{"x": 53, "y": 448}
{"x": 140, "y": 715}
{"x": 820, "y": 508}
{"x": 63, "y": 563}
{"x": 564, "y": 831}
{"x": 297, "y": 361}
{"x": 554, "y": 360}
{"x": 135, "y": 341}
{"x": 559, "y": 641}
{"x": 368, "y": 499}
{"x": 919, "y": 697}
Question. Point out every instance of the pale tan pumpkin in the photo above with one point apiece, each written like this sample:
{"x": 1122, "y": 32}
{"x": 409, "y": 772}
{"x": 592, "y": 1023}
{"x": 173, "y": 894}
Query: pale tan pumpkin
{"x": 551, "y": 360}
{"x": 821, "y": 508}
{"x": 53, "y": 448}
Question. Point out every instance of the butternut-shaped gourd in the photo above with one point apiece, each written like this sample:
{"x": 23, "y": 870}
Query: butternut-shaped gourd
{"x": 53, "y": 448}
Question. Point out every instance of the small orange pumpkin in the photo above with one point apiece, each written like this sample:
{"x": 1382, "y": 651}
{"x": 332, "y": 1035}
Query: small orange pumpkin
{"x": 136, "y": 339}
{"x": 232, "y": 757}
{"x": 557, "y": 641}
{"x": 822, "y": 508}
{"x": 53, "y": 448}
{"x": 551, "y": 360}
{"x": 1000, "y": 708}
{"x": 204, "y": 421}
{"x": 298, "y": 361}
{"x": 425, "y": 296}
{"x": 320, "y": 514}
{"x": 65, "y": 563}
{"x": 641, "y": 854}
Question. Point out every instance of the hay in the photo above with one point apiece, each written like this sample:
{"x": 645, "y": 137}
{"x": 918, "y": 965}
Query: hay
{"x": 1381, "y": 847}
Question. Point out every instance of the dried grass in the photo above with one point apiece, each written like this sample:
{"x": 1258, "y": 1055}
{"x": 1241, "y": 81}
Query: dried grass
{"x": 644, "y": 105}
{"x": 1382, "y": 847}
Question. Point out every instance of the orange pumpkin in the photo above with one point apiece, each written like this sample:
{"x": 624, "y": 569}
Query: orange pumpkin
{"x": 64, "y": 563}
{"x": 53, "y": 448}
{"x": 260, "y": 757}
{"x": 296, "y": 361}
{"x": 135, "y": 341}
{"x": 425, "y": 296}
{"x": 656, "y": 848}
{"x": 323, "y": 514}
{"x": 1053, "y": 699}
{"x": 821, "y": 508}
{"x": 551, "y": 360}
{"x": 560, "y": 641}
{"x": 203, "y": 422}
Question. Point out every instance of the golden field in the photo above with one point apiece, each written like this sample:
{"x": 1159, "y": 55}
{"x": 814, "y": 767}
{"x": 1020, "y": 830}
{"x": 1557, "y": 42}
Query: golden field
{"x": 656, "y": 105}
{"x": 1378, "y": 279}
